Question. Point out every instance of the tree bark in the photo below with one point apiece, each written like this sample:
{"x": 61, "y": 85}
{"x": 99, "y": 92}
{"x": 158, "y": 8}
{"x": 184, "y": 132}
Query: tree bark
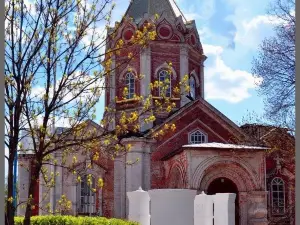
{"x": 9, "y": 220}
{"x": 34, "y": 175}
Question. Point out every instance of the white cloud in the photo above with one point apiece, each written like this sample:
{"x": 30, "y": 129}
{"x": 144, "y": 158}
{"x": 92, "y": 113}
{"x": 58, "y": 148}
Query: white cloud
{"x": 250, "y": 33}
{"x": 98, "y": 35}
{"x": 223, "y": 82}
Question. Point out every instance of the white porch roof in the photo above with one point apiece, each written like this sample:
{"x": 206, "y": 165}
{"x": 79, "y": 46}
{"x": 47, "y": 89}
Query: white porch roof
{"x": 224, "y": 146}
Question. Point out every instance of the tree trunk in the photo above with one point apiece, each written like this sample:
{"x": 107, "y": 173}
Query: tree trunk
{"x": 10, "y": 210}
{"x": 34, "y": 175}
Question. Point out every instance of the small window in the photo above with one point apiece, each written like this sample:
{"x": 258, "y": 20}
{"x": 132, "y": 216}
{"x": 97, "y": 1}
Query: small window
{"x": 197, "y": 137}
{"x": 278, "y": 196}
{"x": 165, "y": 78}
{"x": 192, "y": 87}
{"x": 130, "y": 83}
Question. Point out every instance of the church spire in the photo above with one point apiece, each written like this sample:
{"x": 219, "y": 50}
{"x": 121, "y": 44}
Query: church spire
{"x": 138, "y": 8}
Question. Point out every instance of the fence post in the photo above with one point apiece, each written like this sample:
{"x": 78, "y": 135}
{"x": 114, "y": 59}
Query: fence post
{"x": 139, "y": 206}
{"x": 203, "y": 209}
{"x": 224, "y": 209}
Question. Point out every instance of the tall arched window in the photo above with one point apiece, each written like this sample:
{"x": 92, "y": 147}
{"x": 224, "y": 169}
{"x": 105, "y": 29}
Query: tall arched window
{"x": 165, "y": 88}
{"x": 192, "y": 87}
{"x": 277, "y": 196}
{"x": 197, "y": 137}
{"x": 87, "y": 196}
{"x": 130, "y": 83}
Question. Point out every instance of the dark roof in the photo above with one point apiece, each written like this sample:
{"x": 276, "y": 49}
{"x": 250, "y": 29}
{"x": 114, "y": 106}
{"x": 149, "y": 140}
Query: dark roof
{"x": 261, "y": 131}
{"x": 138, "y": 8}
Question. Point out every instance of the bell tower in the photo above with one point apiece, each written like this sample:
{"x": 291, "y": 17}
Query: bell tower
{"x": 176, "y": 48}
{"x": 177, "y": 42}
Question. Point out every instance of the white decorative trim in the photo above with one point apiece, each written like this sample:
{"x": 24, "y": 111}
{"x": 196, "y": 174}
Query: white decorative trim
{"x": 123, "y": 33}
{"x": 184, "y": 50}
{"x": 126, "y": 70}
{"x": 179, "y": 21}
{"x": 199, "y": 173}
{"x": 119, "y": 32}
{"x": 233, "y": 175}
{"x": 163, "y": 18}
{"x": 146, "y": 18}
{"x": 194, "y": 74}
{"x": 145, "y": 69}
{"x": 112, "y": 81}
{"x": 166, "y": 66}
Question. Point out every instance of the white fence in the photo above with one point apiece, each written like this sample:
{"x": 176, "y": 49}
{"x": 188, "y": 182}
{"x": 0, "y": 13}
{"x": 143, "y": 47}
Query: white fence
{"x": 180, "y": 207}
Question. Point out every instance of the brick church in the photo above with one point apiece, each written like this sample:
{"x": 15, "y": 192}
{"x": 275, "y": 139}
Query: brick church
{"x": 207, "y": 152}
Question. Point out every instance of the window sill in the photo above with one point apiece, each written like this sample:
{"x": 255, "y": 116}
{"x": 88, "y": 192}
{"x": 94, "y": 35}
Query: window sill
{"x": 159, "y": 98}
{"x": 127, "y": 101}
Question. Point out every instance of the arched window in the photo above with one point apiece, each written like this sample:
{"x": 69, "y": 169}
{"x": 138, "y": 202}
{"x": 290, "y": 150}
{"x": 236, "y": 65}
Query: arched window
{"x": 277, "y": 196}
{"x": 165, "y": 88}
{"x": 192, "y": 87}
{"x": 197, "y": 137}
{"x": 130, "y": 83}
{"x": 87, "y": 196}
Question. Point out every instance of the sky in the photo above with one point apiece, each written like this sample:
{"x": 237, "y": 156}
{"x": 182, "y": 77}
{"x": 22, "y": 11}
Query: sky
{"x": 230, "y": 32}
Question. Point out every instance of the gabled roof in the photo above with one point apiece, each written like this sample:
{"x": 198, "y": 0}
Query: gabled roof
{"x": 231, "y": 125}
{"x": 138, "y": 8}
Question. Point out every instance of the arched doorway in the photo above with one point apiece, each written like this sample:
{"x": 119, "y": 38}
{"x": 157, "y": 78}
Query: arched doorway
{"x": 225, "y": 185}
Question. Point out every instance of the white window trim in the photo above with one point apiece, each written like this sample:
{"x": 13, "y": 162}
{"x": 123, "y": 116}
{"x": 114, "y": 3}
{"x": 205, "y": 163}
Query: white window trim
{"x": 190, "y": 135}
{"x": 128, "y": 68}
{"x": 272, "y": 196}
{"x": 130, "y": 75}
{"x": 165, "y": 66}
{"x": 170, "y": 84}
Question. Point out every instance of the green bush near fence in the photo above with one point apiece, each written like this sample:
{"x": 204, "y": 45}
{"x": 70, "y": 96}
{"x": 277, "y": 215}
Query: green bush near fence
{"x": 73, "y": 220}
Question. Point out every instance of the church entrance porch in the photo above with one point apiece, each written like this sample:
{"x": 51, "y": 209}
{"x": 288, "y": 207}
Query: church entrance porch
{"x": 225, "y": 185}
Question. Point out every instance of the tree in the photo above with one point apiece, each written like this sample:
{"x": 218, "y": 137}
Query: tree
{"x": 55, "y": 68}
{"x": 275, "y": 64}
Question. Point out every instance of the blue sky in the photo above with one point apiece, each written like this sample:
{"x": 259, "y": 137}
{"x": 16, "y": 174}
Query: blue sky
{"x": 230, "y": 32}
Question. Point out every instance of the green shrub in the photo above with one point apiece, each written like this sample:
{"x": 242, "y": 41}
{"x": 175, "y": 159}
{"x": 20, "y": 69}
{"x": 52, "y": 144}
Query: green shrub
{"x": 73, "y": 220}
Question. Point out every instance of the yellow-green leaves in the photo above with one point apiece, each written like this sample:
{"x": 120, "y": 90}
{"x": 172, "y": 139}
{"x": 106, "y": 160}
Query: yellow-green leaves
{"x": 100, "y": 183}
{"x": 64, "y": 205}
